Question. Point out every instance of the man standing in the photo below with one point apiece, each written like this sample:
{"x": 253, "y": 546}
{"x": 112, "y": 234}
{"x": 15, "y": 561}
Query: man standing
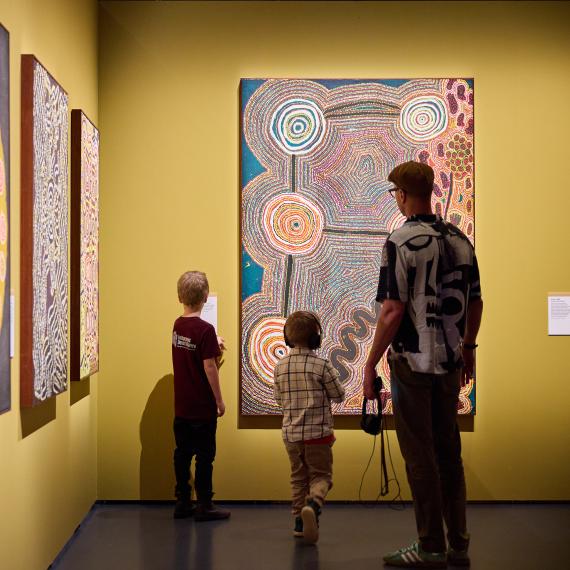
{"x": 431, "y": 311}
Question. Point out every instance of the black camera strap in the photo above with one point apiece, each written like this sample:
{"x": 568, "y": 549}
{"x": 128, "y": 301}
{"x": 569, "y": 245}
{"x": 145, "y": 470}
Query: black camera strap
{"x": 374, "y": 425}
{"x": 384, "y": 483}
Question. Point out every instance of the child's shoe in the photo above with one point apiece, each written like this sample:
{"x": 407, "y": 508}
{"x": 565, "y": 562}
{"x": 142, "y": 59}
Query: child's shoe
{"x": 414, "y": 557}
{"x": 208, "y": 512}
{"x": 298, "y": 529}
{"x": 183, "y": 509}
{"x": 310, "y": 518}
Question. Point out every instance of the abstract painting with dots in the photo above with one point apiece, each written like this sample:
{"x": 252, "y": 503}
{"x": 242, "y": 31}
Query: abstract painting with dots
{"x": 44, "y": 235}
{"x": 5, "y": 396}
{"x": 84, "y": 353}
{"x": 316, "y": 211}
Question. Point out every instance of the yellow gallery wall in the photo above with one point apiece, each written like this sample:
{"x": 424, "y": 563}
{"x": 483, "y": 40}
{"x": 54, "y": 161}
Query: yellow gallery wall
{"x": 169, "y": 77}
{"x": 48, "y": 455}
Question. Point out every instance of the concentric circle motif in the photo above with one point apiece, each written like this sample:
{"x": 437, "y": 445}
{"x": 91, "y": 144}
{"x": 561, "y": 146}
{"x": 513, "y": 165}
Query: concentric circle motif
{"x": 267, "y": 346}
{"x": 423, "y": 118}
{"x": 292, "y": 223}
{"x": 298, "y": 126}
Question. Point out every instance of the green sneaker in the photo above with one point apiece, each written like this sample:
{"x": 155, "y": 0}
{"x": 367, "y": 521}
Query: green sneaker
{"x": 458, "y": 557}
{"x": 414, "y": 557}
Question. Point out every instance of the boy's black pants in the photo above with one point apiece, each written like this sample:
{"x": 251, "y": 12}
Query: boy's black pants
{"x": 194, "y": 439}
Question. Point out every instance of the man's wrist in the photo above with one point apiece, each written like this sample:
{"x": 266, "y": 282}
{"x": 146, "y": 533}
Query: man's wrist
{"x": 470, "y": 345}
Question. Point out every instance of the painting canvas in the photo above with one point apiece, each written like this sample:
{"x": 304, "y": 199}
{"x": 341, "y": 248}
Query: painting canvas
{"x": 44, "y": 235}
{"x": 4, "y": 219}
{"x": 316, "y": 211}
{"x": 84, "y": 359}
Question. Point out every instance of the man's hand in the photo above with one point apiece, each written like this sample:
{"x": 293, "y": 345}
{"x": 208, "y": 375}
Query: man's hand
{"x": 221, "y": 408}
{"x": 468, "y": 366}
{"x": 368, "y": 384}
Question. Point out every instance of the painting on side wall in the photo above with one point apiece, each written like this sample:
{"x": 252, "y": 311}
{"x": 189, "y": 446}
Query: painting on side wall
{"x": 5, "y": 399}
{"x": 44, "y": 235}
{"x": 84, "y": 246}
{"x": 316, "y": 211}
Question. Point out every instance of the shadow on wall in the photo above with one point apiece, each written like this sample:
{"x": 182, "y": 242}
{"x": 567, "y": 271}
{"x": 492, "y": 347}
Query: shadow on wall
{"x": 79, "y": 390}
{"x": 33, "y": 419}
{"x": 157, "y": 443}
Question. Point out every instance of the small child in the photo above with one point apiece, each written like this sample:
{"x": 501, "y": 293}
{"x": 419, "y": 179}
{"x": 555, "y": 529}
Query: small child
{"x": 304, "y": 386}
{"x": 198, "y": 401}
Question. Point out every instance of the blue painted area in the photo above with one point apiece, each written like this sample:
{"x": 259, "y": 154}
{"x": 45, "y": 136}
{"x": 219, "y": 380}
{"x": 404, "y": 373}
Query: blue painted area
{"x": 250, "y": 166}
{"x": 333, "y": 83}
{"x": 248, "y": 88}
{"x": 251, "y": 275}
{"x": 470, "y": 82}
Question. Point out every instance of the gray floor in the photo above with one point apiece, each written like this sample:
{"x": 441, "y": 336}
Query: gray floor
{"x": 353, "y": 537}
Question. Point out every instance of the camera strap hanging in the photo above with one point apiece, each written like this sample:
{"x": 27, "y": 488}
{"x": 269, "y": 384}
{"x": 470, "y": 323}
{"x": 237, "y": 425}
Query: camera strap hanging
{"x": 374, "y": 425}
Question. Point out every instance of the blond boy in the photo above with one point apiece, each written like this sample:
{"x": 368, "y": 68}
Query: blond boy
{"x": 198, "y": 399}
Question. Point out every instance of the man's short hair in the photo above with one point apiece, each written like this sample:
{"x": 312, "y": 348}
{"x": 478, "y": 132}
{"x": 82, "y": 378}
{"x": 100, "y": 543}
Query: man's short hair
{"x": 193, "y": 288}
{"x": 416, "y": 178}
{"x": 300, "y": 327}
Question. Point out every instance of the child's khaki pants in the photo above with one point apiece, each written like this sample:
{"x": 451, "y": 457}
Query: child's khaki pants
{"x": 311, "y": 473}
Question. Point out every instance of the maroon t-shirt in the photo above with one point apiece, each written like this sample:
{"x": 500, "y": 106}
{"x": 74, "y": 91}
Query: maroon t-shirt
{"x": 193, "y": 341}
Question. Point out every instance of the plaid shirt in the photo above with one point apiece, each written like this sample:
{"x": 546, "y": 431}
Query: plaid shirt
{"x": 304, "y": 386}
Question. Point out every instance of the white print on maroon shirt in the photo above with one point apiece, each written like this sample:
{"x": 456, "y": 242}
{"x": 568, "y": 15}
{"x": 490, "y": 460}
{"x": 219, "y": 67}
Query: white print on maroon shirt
{"x": 179, "y": 341}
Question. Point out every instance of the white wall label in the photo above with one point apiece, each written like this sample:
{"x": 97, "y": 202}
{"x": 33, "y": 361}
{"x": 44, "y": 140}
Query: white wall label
{"x": 210, "y": 310}
{"x": 559, "y": 314}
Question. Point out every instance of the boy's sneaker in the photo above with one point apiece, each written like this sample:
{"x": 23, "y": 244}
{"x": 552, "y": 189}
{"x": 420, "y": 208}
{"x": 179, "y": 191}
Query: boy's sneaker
{"x": 458, "y": 557}
{"x": 183, "y": 509}
{"x": 298, "y": 529}
{"x": 208, "y": 512}
{"x": 414, "y": 557}
{"x": 310, "y": 518}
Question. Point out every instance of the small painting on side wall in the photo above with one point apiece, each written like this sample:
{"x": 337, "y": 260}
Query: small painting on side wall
{"x": 316, "y": 210}
{"x": 44, "y": 235}
{"x": 5, "y": 399}
{"x": 84, "y": 246}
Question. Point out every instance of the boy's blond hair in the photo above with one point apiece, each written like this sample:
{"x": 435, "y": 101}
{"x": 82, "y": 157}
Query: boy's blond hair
{"x": 193, "y": 288}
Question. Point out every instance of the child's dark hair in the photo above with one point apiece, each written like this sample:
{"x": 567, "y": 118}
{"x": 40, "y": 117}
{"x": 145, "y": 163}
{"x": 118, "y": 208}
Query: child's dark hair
{"x": 302, "y": 329}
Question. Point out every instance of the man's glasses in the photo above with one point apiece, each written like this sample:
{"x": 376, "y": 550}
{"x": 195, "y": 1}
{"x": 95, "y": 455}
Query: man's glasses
{"x": 394, "y": 190}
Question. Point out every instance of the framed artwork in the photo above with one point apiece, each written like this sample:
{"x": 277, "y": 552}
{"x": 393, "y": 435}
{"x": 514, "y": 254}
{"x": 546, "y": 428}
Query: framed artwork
{"x": 316, "y": 212}
{"x": 5, "y": 396}
{"x": 44, "y": 235}
{"x": 84, "y": 359}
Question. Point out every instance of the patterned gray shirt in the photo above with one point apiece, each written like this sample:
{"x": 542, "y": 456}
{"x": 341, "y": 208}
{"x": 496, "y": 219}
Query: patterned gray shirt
{"x": 431, "y": 266}
{"x": 304, "y": 386}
